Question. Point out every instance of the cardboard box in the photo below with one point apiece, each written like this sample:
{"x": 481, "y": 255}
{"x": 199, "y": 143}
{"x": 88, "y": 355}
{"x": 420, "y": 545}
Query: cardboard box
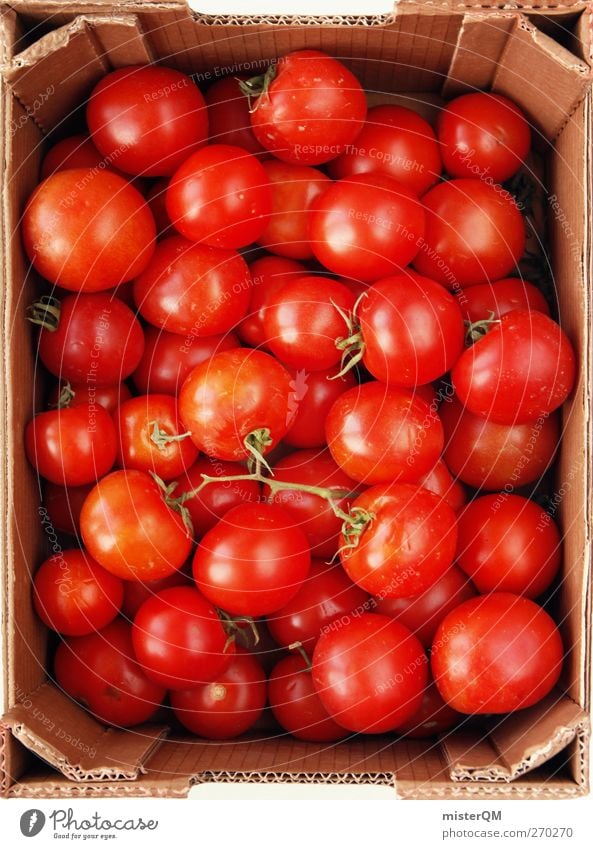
{"x": 52, "y": 53}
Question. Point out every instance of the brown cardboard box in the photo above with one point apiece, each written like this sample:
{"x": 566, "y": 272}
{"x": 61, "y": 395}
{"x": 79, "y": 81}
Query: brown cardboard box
{"x": 51, "y": 54}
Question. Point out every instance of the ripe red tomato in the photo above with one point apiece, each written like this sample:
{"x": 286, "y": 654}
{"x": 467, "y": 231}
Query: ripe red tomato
{"x": 193, "y": 290}
{"x": 412, "y": 330}
{"x": 98, "y": 340}
{"x": 507, "y": 543}
{"x": 179, "y": 639}
{"x": 209, "y": 506}
{"x": 147, "y": 119}
{"x": 510, "y": 293}
{"x": 315, "y": 394}
{"x": 313, "y": 514}
{"x": 227, "y": 706}
{"x": 408, "y": 544}
{"x": 496, "y": 653}
{"x": 99, "y": 670}
{"x": 294, "y": 188}
{"x": 396, "y": 141}
{"x": 253, "y": 561}
{"x": 167, "y": 360}
{"x": 302, "y": 322}
{"x": 150, "y": 437}
{"x": 433, "y": 717}
{"x": 108, "y": 397}
{"x": 235, "y": 394}
{"x": 71, "y": 152}
{"x": 326, "y": 596}
{"x": 367, "y": 226}
{"x": 440, "y": 480}
{"x": 370, "y": 674}
{"x": 228, "y": 115}
{"x": 310, "y": 108}
{"x": 522, "y": 369}
{"x": 130, "y": 530}
{"x": 88, "y": 231}
{"x": 483, "y": 134}
{"x": 268, "y": 275}
{"x": 221, "y": 196}
{"x": 379, "y": 434}
{"x": 474, "y": 233}
{"x": 487, "y": 455}
{"x": 137, "y": 592}
{"x": 63, "y": 505}
{"x": 297, "y": 707}
{"x": 74, "y": 595}
{"x": 156, "y": 199}
{"x": 423, "y": 613}
{"x": 71, "y": 446}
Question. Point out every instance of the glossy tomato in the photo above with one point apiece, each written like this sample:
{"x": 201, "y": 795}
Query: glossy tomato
{"x": 268, "y": 275}
{"x": 71, "y": 152}
{"x": 315, "y": 394}
{"x": 88, "y": 231}
{"x": 486, "y": 300}
{"x": 137, "y": 592}
{"x": 253, "y": 561}
{"x": 370, "y": 674}
{"x": 379, "y": 434}
{"x": 147, "y": 119}
{"x": 74, "y": 595}
{"x": 496, "y": 653}
{"x": 156, "y": 199}
{"x": 522, "y": 369}
{"x": 128, "y": 527}
{"x": 228, "y": 115}
{"x": 99, "y": 670}
{"x": 474, "y": 233}
{"x": 310, "y": 108}
{"x": 441, "y": 481}
{"x": 433, "y": 717}
{"x": 63, "y": 505}
{"x": 227, "y": 706}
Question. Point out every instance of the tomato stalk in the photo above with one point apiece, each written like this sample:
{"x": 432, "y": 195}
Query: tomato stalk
{"x": 474, "y": 330}
{"x": 257, "y": 86}
{"x": 298, "y": 646}
{"x": 235, "y": 626}
{"x": 45, "y": 312}
{"x": 161, "y": 438}
{"x": 353, "y": 345}
{"x": 256, "y": 442}
{"x": 65, "y": 398}
{"x": 174, "y": 503}
{"x": 353, "y": 527}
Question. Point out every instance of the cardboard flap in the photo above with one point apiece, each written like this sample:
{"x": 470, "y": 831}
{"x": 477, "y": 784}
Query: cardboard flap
{"x": 52, "y": 726}
{"x": 518, "y": 743}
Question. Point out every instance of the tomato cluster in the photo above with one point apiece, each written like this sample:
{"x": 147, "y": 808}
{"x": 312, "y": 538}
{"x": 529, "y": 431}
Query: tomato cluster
{"x": 298, "y": 381}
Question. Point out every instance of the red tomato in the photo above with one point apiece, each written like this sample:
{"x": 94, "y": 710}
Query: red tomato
{"x": 315, "y": 394}
{"x": 98, "y": 340}
{"x": 131, "y": 531}
{"x": 71, "y": 446}
{"x": 221, "y": 196}
{"x": 157, "y": 202}
{"x": 100, "y": 671}
{"x": 327, "y": 596}
{"x": 227, "y": 706}
{"x": 423, "y": 613}
{"x": 310, "y": 109}
{"x": 496, "y": 653}
{"x": 395, "y": 141}
{"x": 474, "y": 233}
{"x": 440, "y": 480}
{"x": 88, "y": 231}
{"x": 137, "y": 592}
{"x": 522, "y": 369}
{"x": 108, "y": 397}
{"x": 379, "y": 434}
{"x": 63, "y": 505}
{"x": 253, "y": 561}
{"x": 312, "y": 513}
{"x": 209, "y": 506}
{"x": 408, "y": 544}
{"x": 302, "y": 322}
{"x": 510, "y": 293}
{"x": 228, "y": 115}
{"x": 71, "y": 152}
{"x": 367, "y": 226}
{"x": 233, "y": 395}
{"x": 179, "y": 639}
{"x": 483, "y": 134}
{"x": 370, "y": 674}
{"x": 494, "y": 456}
{"x": 297, "y": 707}
{"x": 167, "y": 360}
{"x": 507, "y": 543}
{"x": 268, "y": 275}
{"x": 74, "y": 595}
{"x": 294, "y": 188}
{"x": 147, "y": 119}
{"x": 412, "y": 330}
{"x": 433, "y": 717}
{"x": 150, "y": 437}
{"x": 193, "y": 290}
